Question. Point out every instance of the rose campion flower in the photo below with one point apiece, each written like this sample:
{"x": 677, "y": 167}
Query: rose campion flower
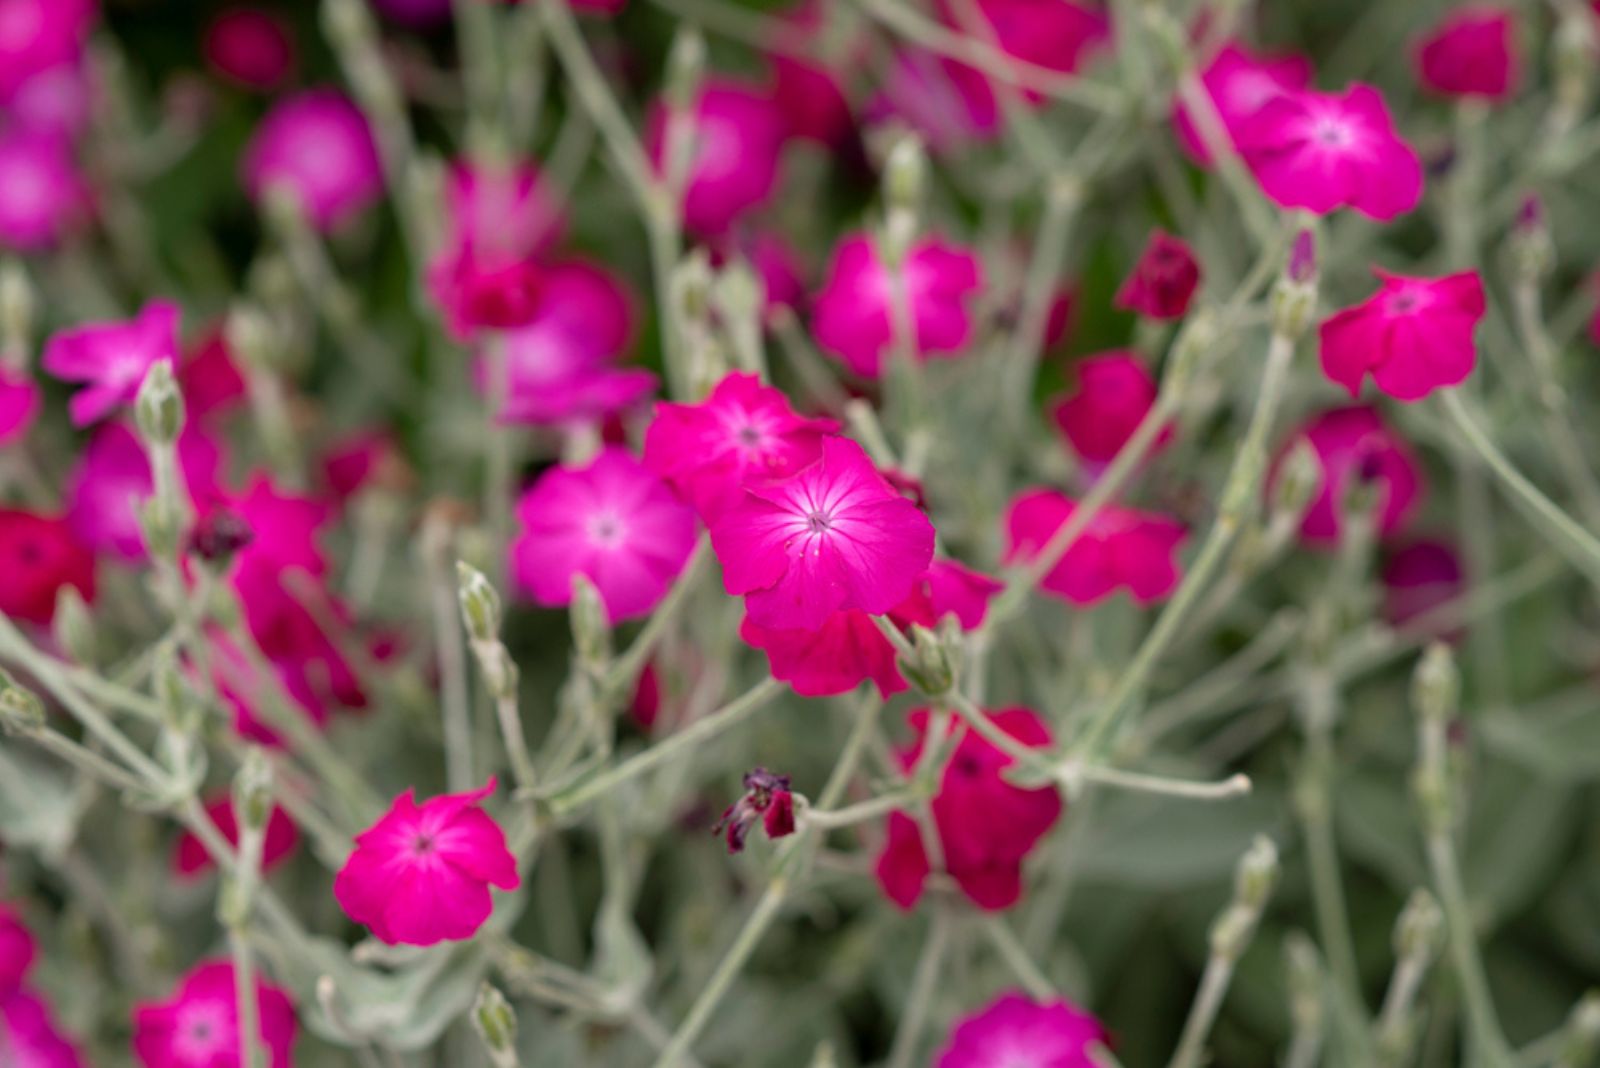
{"x": 251, "y": 47}
{"x": 1115, "y": 392}
{"x": 421, "y": 874}
{"x": 612, "y": 521}
{"x": 30, "y": 1037}
{"x": 742, "y": 434}
{"x": 1470, "y": 53}
{"x": 41, "y": 193}
{"x": 17, "y": 950}
{"x": 813, "y": 99}
{"x": 1163, "y": 281}
{"x": 854, "y": 315}
{"x": 739, "y": 136}
{"x": 198, "y": 1027}
{"x": 1414, "y": 335}
{"x": 1324, "y": 151}
{"x": 1239, "y": 84}
{"x": 986, "y": 826}
{"x": 1055, "y": 35}
{"x": 947, "y": 103}
{"x": 111, "y": 481}
{"x": 317, "y": 146}
{"x": 36, "y": 35}
{"x": 189, "y": 856}
{"x": 1354, "y": 444}
{"x": 112, "y": 359}
{"x": 19, "y": 403}
{"x": 833, "y": 536}
{"x": 1418, "y": 577}
{"x": 1016, "y": 1030}
{"x": 1121, "y": 549}
{"x": 210, "y": 378}
{"x": 56, "y": 102}
{"x": 39, "y": 555}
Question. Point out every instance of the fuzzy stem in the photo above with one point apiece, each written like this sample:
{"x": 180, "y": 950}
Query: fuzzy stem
{"x": 924, "y": 985}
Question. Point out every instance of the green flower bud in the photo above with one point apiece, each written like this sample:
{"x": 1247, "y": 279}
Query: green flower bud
{"x": 1419, "y": 930}
{"x": 480, "y": 603}
{"x": 686, "y": 68}
{"x": 1436, "y": 685}
{"x": 158, "y": 411}
{"x": 591, "y": 627}
{"x": 496, "y": 1023}
{"x": 73, "y": 626}
{"x": 252, "y": 790}
{"x": 21, "y": 711}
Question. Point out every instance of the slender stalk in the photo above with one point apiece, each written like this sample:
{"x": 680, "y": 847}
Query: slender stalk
{"x": 862, "y": 812}
{"x": 452, "y": 656}
{"x": 1315, "y": 797}
{"x": 1021, "y": 357}
{"x": 924, "y": 985}
{"x": 625, "y": 669}
{"x": 1481, "y": 1016}
{"x": 1101, "y": 775}
{"x": 1566, "y": 445}
{"x": 1015, "y": 954}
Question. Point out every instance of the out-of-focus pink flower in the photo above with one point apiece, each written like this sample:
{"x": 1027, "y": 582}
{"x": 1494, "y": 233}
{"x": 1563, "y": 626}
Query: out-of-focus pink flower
{"x": 1163, "y": 281}
{"x": 317, "y": 145}
{"x": 19, "y": 403}
{"x": 211, "y": 382}
{"x": 30, "y": 1037}
{"x": 612, "y": 521}
{"x": 834, "y": 535}
{"x": 1121, "y": 549}
{"x": 854, "y": 314}
{"x": 41, "y": 193}
{"x": 251, "y": 47}
{"x": 743, "y": 434}
{"x": 421, "y": 874}
{"x": 645, "y": 707}
{"x": 1115, "y": 392}
{"x": 17, "y": 950}
{"x": 783, "y": 272}
{"x": 1239, "y": 84}
{"x": 39, "y": 555}
{"x": 55, "y": 102}
{"x": 1014, "y": 1029}
{"x": 36, "y": 35}
{"x": 111, "y": 481}
{"x": 947, "y": 103}
{"x": 198, "y": 1027}
{"x": 812, "y": 99}
{"x": 1055, "y": 35}
{"x": 986, "y": 826}
{"x": 1414, "y": 335}
{"x": 414, "y": 12}
{"x": 362, "y": 459}
{"x": 189, "y": 856}
{"x": 1418, "y": 577}
{"x": 1323, "y": 151}
{"x": 1351, "y": 445}
{"x": 1470, "y": 53}
{"x": 112, "y": 358}
{"x": 738, "y": 135}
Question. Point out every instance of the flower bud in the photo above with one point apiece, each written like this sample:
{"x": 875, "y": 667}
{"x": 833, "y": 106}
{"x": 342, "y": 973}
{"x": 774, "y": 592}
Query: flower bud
{"x": 1582, "y": 1040}
{"x": 1420, "y": 927}
{"x": 1303, "y": 974}
{"x": 591, "y": 627}
{"x": 1436, "y": 685}
{"x": 905, "y": 174}
{"x": 346, "y": 22}
{"x": 691, "y": 283}
{"x": 1294, "y": 299}
{"x": 158, "y": 524}
{"x": 73, "y": 626}
{"x": 686, "y": 67}
{"x": 16, "y": 305}
{"x": 1299, "y": 475}
{"x": 1529, "y": 248}
{"x": 1257, "y": 874}
{"x": 252, "y": 790}
{"x": 499, "y": 670}
{"x": 250, "y": 336}
{"x": 158, "y": 411}
{"x": 1194, "y": 344}
{"x": 480, "y": 603}
{"x": 21, "y": 711}
{"x": 933, "y": 667}
{"x": 496, "y": 1023}
{"x": 1573, "y": 58}
{"x": 180, "y": 711}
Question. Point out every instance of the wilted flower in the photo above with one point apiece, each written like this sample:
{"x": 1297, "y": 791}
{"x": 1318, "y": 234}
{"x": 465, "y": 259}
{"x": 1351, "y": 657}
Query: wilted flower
{"x": 1353, "y": 445}
{"x": 1163, "y": 281}
{"x": 317, "y": 146}
{"x": 1469, "y": 54}
{"x": 112, "y": 358}
{"x": 1414, "y": 335}
{"x": 198, "y": 1027}
{"x": 1120, "y": 549}
{"x": 1016, "y": 1030}
{"x": 1115, "y": 392}
{"x": 767, "y": 800}
{"x": 39, "y": 555}
{"x": 737, "y": 140}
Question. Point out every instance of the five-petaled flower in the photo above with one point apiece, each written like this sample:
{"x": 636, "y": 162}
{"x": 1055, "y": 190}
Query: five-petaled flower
{"x": 1414, "y": 335}
{"x": 198, "y": 1027}
{"x": 1016, "y": 1030}
{"x": 111, "y": 359}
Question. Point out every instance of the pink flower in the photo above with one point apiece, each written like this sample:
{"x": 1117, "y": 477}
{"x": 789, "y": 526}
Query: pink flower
{"x": 39, "y": 556}
{"x": 1239, "y": 84}
{"x": 832, "y": 536}
{"x": 767, "y": 800}
{"x": 986, "y": 826}
{"x": 19, "y": 403}
{"x": 812, "y": 97}
{"x": 854, "y": 317}
{"x": 198, "y": 1027}
{"x": 738, "y": 138}
{"x": 41, "y": 194}
{"x": 1469, "y": 53}
{"x": 317, "y": 145}
{"x": 1121, "y": 549}
{"x": 1115, "y": 392}
{"x": 1351, "y": 444}
{"x": 111, "y": 481}
{"x": 1053, "y": 34}
{"x": 1414, "y": 335}
{"x": 17, "y": 951}
{"x": 365, "y": 458}
{"x": 947, "y": 103}
{"x": 743, "y": 434}
{"x": 36, "y": 35}
{"x": 112, "y": 358}
{"x": 251, "y": 47}
{"x": 613, "y": 522}
{"x": 30, "y": 1037}
{"x": 415, "y": 12}
{"x": 1418, "y": 577}
{"x": 422, "y": 873}
{"x": 1322, "y": 151}
{"x": 1163, "y": 281}
{"x": 210, "y": 379}
{"x": 189, "y": 856}
{"x": 1015, "y": 1030}
{"x": 55, "y": 102}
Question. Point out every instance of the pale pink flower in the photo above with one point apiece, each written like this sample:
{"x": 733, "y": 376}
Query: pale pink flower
{"x": 1354, "y": 445}
{"x": 1014, "y": 1030}
{"x": 853, "y": 316}
{"x": 1469, "y": 53}
{"x": 55, "y": 102}
{"x": 30, "y": 1036}
{"x": 198, "y": 1027}
{"x": 19, "y": 403}
{"x": 1414, "y": 335}
{"x": 41, "y": 193}
{"x": 36, "y": 35}
{"x": 112, "y": 359}
{"x": 738, "y": 138}
{"x": 111, "y": 481}
{"x": 834, "y": 535}
{"x": 612, "y": 521}
{"x": 1115, "y": 392}
{"x": 1239, "y": 84}
{"x": 316, "y": 145}
{"x": 422, "y": 873}
{"x": 1121, "y": 549}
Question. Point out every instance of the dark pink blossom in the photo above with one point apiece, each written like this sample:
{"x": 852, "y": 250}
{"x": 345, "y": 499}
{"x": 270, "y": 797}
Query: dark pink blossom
{"x": 738, "y": 136}
{"x": 1418, "y": 577}
{"x": 198, "y": 1027}
{"x": 767, "y": 800}
{"x": 1055, "y": 35}
{"x": 833, "y": 536}
{"x": 36, "y": 35}
{"x": 111, "y": 481}
{"x": 41, "y": 193}
{"x": 1121, "y": 549}
{"x": 1114, "y": 394}
{"x": 1163, "y": 281}
{"x": 17, "y": 950}
{"x": 1014, "y": 1030}
{"x": 1324, "y": 151}
{"x": 19, "y": 403}
{"x": 1353, "y": 445}
{"x": 39, "y": 555}
{"x": 210, "y": 378}
{"x": 190, "y": 858}
{"x": 317, "y": 146}
{"x": 1239, "y": 84}
{"x": 422, "y": 873}
{"x": 853, "y": 317}
{"x": 612, "y": 521}
{"x": 112, "y": 359}
{"x": 30, "y": 1036}
{"x": 1414, "y": 335}
{"x": 1469, "y": 53}
{"x": 251, "y": 47}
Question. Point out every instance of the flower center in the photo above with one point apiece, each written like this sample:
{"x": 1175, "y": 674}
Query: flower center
{"x": 819, "y": 522}
{"x": 607, "y": 530}
{"x": 422, "y": 844}
{"x": 1332, "y": 133}
{"x": 1404, "y": 302}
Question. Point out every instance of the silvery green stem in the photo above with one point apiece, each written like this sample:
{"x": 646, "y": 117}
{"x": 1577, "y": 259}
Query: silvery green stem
{"x": 924, "y": 986}
{"x": 624, "y": 671}
{"x": 241, "y": 884}
{"x": 456, "y": 713}
{"x": 861, "y": 812}
{"x": 1012, "y": 951}
{"x": 1103, "y": 775}
{"x": 1314, "y": 794}
{"x": 1416, "y": 944}
{"x": 1020, "y": 359}
{"x": 1581, "y": 1037}
{"x": 1566, "y": 444}
{"x": 478, "y": 34}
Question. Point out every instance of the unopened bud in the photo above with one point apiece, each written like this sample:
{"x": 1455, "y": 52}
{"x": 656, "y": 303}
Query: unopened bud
{"x": 73, "y": 627}
{"x": 496, "y": 1024}
{"x": 905, "y": 174}
{"x": 1436, "y": 685}
{"x": 1303, "y": 974}
{"x": 16, "y": 305}
{"x": 499, "y": 670}
{"x": 158, "y": 524}
{"x": 932, "y": 668}
{"x": 591, "y": 625}
{"x": 691, "y": 283}
{"x": 252, "y": 790}
{"x": 1529, "y": 249}
{"x": 1582, "y": 1039}
{"x": 686, "y": 67}
{"x": 1294, "y": 300}
{"x": 1573, "y": 58}
{"x": 346, "y": 22}
{"x": 1298, "y": 479}
{"x": 21, "y": 711}
{"x": 1195, "y": 343}
{"x": 158, "y": 411}
{"x": 1419, "y": 928}
{"x": 480, "y": 603}
{"x": 180, "y": 711}
{"x": 250, "y": 336}
{"x": 1257, "y": 874}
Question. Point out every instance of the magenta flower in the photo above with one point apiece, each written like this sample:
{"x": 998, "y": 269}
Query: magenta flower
{"x": 19, "y": 403}
{"x": 1056, "y": 35}
{"x": 1470, "y": 53}
{"x": 36, "y": 35}
{"x": 1015, "y": 1030}
{"x": 41, "y": 193}
{"x": 1121, "y": 549}
{"x": 112, "y": 358}
{"x": 813, "y": 100}
{"x": 1163, "y": 281}
{"x": 1239, "y": 85}
{"x": 1351, "y": 444}
{"x": 1414, "y": 335}
{"x": 834, "y": 535}
{"x": 56, "y": 102}
{"x": 853, "y": 315}
{"x": 947, "y": 103}
{"x": 739, "y": 136}
{"x": 198, "y": 1027}
{"x": 743, "y": 434}
{"x": 17, "y": 950}
{"x": 190, "y": 858}
{"x": 422, "y": 873}
{"x": 318, "y": 146}
{"x": 1115, "y": 392}
{"x": 767, "y": 800}
{"x": 613, "y": 522}
{"x": 251, "y": 47}
{"x": 1322, "y": 151}
{"x": 30, "y": 1037}
{"x": 39, "y": 556}
{"x": 1418, "y": 577}
{"x": 986, "y": 826}
{"x": 111, "y": 481}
